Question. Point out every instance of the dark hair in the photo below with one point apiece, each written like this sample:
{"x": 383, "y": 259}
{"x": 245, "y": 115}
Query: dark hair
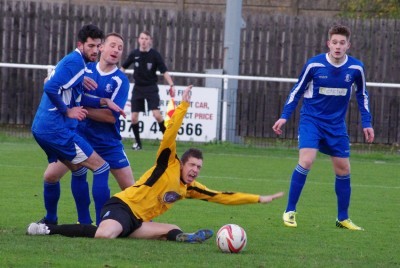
{"x": 114, "y": 34}
{"x": 91, "y": 31}
{"x": 192, "y": 152}
{"x": 339, "y": 29}
{"x": 146, "y": 33}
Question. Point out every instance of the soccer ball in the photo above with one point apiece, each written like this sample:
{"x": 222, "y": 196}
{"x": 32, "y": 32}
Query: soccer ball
{"x": 231, "y": 238}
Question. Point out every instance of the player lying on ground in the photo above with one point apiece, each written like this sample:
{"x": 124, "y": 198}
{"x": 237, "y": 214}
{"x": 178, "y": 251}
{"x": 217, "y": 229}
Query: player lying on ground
{"x": 130, "y": 212}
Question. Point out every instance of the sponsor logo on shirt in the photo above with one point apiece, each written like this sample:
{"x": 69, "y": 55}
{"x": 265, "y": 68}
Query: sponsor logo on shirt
{"x": 323, "y": 77}
{"x": 331, "y": 91}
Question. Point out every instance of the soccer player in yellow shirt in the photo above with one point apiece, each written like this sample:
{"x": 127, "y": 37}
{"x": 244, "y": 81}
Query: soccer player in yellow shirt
{"x": 129, "y": 213}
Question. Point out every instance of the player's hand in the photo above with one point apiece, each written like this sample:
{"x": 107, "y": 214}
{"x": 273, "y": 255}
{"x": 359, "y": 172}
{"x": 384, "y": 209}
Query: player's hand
{"x": 277, "y": 127}
{"x": 89, "y": 83}
{"x": 172, "y": 91}
{"x": 77, "y": 113}
{"x": 112, "y": 106}
{"x": 187, "y": 94}
{"x": 369, "y": 134}
{"x": 270, "y": 198}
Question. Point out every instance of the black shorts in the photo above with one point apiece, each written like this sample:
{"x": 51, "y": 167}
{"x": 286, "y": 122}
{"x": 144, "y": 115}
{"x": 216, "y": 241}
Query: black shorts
{"x": 149, "y": 94}
{"x": 116, "y": 209}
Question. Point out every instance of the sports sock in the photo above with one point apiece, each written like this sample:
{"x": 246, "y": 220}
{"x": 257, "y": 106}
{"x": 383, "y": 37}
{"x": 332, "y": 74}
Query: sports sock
{"x": 171, "y": 235}
{"x": 162, "y": 126}
{"x": 100, "y": 189}
{"x": 299, "y": 177}
{"x": 51, "y": 195}
{"x": 135, "y": 128}
{"x": 73, "y": 230}
{"x": 80, "y": 191}
{"x": 343, "y": 193}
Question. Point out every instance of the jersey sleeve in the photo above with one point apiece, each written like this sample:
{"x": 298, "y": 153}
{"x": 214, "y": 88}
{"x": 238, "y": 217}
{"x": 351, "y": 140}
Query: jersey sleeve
{"x": 297, "y": 91}
{"x": 196, "y": 190}
{"x": 363, "y": 99}
{"x": 169, "y": 138}
{"x": 68, "y": 75}
{"x": 129, "y": 60}
{"x": 160, "y": 63}
{"x": 120, "y": 94}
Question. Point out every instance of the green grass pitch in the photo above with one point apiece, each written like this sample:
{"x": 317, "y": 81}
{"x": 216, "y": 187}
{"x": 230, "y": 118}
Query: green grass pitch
{"x": 315, "y": 243}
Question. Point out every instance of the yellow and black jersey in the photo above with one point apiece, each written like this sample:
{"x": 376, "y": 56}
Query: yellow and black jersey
{"x": 160, "y": 186}
{"x": 196, "y": 190}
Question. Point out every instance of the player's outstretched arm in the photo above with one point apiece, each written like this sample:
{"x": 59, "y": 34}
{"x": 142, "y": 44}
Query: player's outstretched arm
{"x": 112, "y": 106}
{"x": 270, "y": 198}
{"x": 186, "y": 93}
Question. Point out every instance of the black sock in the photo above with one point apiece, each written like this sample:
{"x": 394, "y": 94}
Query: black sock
{"x": 73, "y": 230}
{"x": 162, "y": 127}
{"x": 135, "y": 128}
{"x": 171, "y": 235}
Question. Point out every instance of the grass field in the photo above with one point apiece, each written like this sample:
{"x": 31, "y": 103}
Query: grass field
{"x": 315, "y": 243}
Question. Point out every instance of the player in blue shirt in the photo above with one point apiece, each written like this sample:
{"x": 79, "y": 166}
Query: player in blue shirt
{"x": 102, "y": 129}
{"x": 326, "y": 83}
{"x": 61, "y": 106}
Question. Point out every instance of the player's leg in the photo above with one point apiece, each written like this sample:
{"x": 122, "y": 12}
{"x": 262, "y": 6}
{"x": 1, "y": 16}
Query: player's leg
{"x": 137, "y": 145}
{"x": 341, "y": 166}
{"x": 342, "y": 186}
{"x": 309, "y": 138}
{"x": 298, "y": 180}
{"x": 109, "y": 229}
{"x": 137, "y": 105}
{"x": 81, "y": 194}
{"x": 117, "y": 220}
{"x": 171, "y": 232}
{"x": 70, "y": 230}
{"x": 153, "y": 102}
{"x": 119, "y": 164}
{"x": 124, "y": 177}
{"x": 87, "y": 157}
{"x": 51, "y": 190}
{"x": 100, "y": 188}
{"x": 160, "y": 120}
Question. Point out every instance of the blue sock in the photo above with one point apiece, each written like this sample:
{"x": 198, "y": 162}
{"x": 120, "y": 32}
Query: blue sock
{"x": 100, "y": 189}
{"x": 343, "y": 193}
{"x": 51, "y": 195}
{"x": 296, "y": 186}
{"x": 80, "y": 191}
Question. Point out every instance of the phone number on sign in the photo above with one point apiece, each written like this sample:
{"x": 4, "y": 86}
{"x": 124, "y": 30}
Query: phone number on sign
{"x": 188, "y": 129}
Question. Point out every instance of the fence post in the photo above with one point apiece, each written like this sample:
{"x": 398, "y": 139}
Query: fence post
{"x": 233, "y": 25}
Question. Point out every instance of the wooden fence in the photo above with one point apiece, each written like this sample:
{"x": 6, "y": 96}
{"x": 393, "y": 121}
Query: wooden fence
{"x": 275, "y": 46}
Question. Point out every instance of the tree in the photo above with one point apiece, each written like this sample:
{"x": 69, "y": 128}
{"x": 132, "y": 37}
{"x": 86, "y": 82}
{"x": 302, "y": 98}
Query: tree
{"x": 387, "y": 9}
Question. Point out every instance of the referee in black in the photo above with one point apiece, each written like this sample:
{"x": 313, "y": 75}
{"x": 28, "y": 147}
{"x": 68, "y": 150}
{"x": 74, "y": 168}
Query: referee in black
{"x": 146, "y": 62}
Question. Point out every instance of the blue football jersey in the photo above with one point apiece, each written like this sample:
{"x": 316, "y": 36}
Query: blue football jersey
{"x": 326, "y": 89}
{"x": 115, "y": 86}
{"x": 65, "y": 84}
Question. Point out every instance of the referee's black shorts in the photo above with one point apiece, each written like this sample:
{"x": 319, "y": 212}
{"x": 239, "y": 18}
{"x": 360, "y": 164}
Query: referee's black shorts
{"x": 140, "y": 94}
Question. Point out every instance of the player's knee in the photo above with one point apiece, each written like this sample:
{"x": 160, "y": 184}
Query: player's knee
{"x": 306, "y": 163}
{"x": 50, "y": 177}
{"x": 104, "y": 233}
{"x": 173, "y": 227}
